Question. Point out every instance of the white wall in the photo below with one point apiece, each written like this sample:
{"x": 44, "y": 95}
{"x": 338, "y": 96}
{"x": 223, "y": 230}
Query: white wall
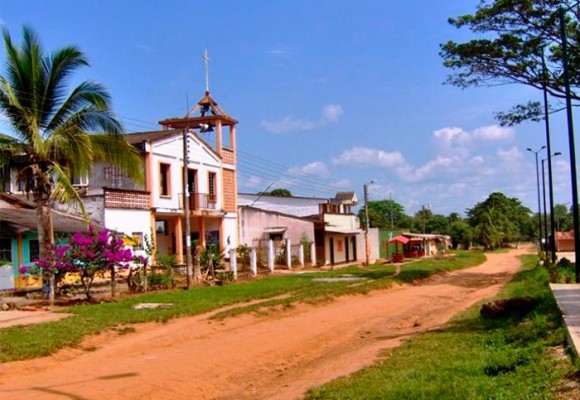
{"x": 128, "y": 221}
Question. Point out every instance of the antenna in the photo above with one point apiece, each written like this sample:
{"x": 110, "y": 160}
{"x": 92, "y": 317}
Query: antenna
{"x": 264, "y": 192}
{"x": 206, "y": 60}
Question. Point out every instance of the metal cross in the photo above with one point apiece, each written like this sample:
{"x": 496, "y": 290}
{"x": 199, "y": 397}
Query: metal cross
{"x": 206, "y": 61}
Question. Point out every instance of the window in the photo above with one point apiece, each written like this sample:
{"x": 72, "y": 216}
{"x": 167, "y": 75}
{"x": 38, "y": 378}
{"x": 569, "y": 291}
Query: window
{"x": 80, "y": 180}
{"x": 164, "y": 179}
{"x": 137, "y": 239}
{"x": 211, "y": 185}
{"x": 114, "y": 176}
{"x": 34, "y": 250}
{"x": 161, "y": 228}
{"x": 191, "y": 178}
{"x": 5, "y": 250}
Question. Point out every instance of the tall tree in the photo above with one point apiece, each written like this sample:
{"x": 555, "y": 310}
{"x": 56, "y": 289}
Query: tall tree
{"x": 562, "y": 218}
{"x": 515, "y": 36}
{"x": 385, "y": 214}
{"x": 56, "y": 133}
{"x": 499, "y": 220}
{"x": 280, "y": 192}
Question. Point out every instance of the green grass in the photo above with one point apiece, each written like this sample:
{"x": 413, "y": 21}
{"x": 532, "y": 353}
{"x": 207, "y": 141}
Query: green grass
{"x": 23, "y": 342}
{"x": 473, "y": 358}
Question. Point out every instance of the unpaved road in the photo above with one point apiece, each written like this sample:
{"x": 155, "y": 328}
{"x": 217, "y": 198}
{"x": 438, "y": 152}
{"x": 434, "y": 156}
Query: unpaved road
{"x": 275, "y": 357}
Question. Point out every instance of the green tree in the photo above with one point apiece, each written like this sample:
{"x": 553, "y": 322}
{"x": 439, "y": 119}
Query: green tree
{"x": 384, "y": 214}
{"x": 280, "y": 193}
{"x": 562, "y": 218}
{"x": 421, "y": 219}
{"x": 54, "y": 131}
{"x": 461, "y": 234}
{"x": 499, "y": 220}
{"x": 454, "y": 217}
{"x": 438, "y": 224}
{"x": 514, "y": 36}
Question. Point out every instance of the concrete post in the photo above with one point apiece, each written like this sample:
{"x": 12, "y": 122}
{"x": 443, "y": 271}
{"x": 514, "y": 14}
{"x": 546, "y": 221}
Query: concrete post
{"x": 288, "y": 254}
{"x": 301, "y": 255}
{"x": 271, "y": 255}
{"x": 313, "y": 254}
{"x": 253, "y": 262}
{"x": 234, "y": 263}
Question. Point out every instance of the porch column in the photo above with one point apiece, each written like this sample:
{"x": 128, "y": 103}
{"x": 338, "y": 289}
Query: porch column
{"x": 313, "y": 254}
{"x": 202, "y": 232}
{"x": 179, "y": 236}
{"x": 253, "y": 262}
{"x": 301, "y": 255}
{"x": 234, "y": 263}
{"x": 271, "y": 255}
{"x": 288, "y": 254}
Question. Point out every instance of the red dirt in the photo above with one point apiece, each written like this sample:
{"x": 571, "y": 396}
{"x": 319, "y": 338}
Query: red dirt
{"x": 254, "y": 357}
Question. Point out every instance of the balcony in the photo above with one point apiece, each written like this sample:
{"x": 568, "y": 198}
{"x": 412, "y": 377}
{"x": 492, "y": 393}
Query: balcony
{"x": 200, "y": 202}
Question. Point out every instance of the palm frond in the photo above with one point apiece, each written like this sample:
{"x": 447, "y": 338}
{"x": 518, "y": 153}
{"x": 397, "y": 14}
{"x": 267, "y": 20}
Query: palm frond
{"x": 87, "y": 95}
{"x": 118, "y": 152}
{"x": 64, "y": 191}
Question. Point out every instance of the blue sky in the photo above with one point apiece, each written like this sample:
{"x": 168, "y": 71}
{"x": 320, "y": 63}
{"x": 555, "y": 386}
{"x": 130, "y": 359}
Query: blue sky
{"x": 329, "y": 94}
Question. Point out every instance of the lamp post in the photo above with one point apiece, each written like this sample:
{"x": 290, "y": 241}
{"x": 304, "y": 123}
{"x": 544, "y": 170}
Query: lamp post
{"x": 366, "y": 195}
{"x": 538, "y": 189}
{"x": 571, "y": 142}
{"x": 552, "y": 231}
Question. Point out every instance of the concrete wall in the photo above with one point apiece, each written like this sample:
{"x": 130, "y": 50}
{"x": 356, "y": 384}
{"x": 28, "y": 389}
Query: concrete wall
{"x": 297, "y": 206}
{"x": 375, "y": 245}
{"x": 252, "y": 223}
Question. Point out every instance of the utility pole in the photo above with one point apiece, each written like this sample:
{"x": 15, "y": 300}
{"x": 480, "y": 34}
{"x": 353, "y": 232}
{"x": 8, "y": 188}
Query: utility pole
{"x": 571, "y": 142}
{"x": 367, "y": 244}
{"x": 538, "y": 189}
{"x": 186, "y": 216}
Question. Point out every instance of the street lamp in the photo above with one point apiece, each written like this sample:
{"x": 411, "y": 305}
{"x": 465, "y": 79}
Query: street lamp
{"x": 552, "y": 241}
{"x": 571, "y": 142}
{"x": 366, "y": 195}
{"x": 538, "y": 187}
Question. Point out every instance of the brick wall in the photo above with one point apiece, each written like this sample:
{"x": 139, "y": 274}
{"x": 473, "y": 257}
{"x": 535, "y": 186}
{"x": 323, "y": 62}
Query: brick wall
{"x": 127, "y": 199}
{"x": 229, "y": 199}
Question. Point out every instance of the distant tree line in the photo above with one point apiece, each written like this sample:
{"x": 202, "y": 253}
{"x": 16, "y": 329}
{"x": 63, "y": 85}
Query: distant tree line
{"x": 495, "y": 222}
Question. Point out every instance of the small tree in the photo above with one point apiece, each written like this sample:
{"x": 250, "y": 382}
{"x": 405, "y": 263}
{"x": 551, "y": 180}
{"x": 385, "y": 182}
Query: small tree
{"x": 88, "y": 254}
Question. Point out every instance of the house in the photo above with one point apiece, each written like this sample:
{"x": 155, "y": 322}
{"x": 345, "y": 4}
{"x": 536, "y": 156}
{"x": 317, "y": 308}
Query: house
{"x": 413, "y": 245}
{"x": 565, "y": 241}
{"x": 19, "y": 244}
{"x": 329, "y": 223}
{"x": 206, "y": 139}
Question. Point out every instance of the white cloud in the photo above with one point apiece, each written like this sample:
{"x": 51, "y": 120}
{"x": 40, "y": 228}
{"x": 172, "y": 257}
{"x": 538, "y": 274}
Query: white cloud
{"x": 288, "y": 124}
{"x": 254, "y": 181}
{"x": 314, "y": 168}
{"x": 365, "y": 157}
{"x": 281, "y": 51}
{"x": 477, "y": 160}
{"x": 438, "y": 166}
{"x": 510, "y": 155}
{"x": 330, "y": 114}
{"x": 493, "y": 133}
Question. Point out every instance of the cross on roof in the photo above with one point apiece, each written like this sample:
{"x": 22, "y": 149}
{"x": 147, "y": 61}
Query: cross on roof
{"x": 206, "y": 61}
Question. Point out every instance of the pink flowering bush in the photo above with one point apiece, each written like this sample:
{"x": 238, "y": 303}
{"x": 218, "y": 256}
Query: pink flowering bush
{"x": 86, "y": 253}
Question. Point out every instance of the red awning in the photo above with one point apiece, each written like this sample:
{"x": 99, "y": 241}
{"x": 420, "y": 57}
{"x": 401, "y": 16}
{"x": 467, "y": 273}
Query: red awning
{"x": 401, "y": 239}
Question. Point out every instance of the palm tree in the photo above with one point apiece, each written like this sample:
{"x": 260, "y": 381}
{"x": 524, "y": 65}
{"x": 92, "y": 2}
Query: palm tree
{"x": 56, "y": 133}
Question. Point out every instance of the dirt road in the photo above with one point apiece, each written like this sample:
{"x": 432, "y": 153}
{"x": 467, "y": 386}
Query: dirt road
{"x": 274, "y": 357}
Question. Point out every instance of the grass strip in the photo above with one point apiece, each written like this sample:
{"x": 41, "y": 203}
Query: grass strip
{"x": 37, "y": 340}
{"x": 473, "y": 358}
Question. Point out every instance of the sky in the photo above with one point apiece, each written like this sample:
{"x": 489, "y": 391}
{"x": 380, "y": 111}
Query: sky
{"x": 329, "y": 95}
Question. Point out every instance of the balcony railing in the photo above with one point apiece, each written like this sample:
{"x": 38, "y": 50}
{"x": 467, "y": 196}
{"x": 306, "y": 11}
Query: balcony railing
{"x": 201, "y": 201}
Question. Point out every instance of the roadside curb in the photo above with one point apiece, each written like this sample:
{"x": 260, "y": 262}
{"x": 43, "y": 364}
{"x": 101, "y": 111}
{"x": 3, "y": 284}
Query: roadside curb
{"x": 568, "y": 299}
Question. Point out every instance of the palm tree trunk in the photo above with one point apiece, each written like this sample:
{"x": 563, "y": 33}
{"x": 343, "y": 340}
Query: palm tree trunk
{"x": 45, "y": 235}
